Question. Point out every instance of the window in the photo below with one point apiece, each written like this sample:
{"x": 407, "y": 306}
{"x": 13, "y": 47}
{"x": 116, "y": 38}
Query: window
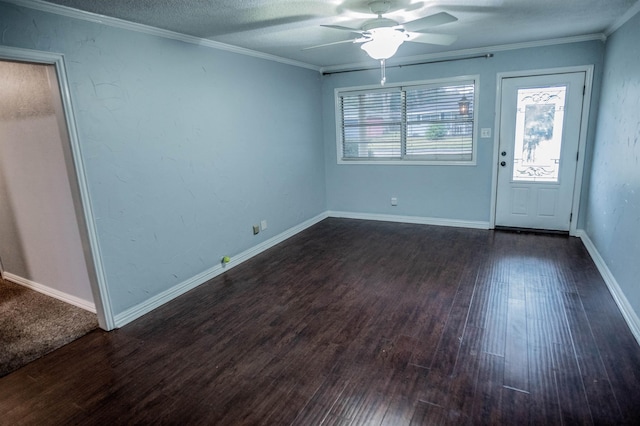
{"x": 426, "y": 123}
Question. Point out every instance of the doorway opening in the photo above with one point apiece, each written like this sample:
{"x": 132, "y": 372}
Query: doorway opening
{"x": 49, "y": 239}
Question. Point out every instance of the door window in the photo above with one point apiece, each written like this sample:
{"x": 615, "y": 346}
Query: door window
{"x": 538, "y": 137}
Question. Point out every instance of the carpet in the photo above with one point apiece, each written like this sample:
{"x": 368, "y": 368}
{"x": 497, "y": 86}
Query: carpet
{"x": 33, "y": 324}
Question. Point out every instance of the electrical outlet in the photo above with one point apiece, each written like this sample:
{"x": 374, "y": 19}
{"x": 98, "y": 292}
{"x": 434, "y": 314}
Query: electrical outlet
{"x": 485, "y": 132}
{"x": 394, "y": 201}
{"x": 263, "y": 224}
{"x": 256, "y": 229}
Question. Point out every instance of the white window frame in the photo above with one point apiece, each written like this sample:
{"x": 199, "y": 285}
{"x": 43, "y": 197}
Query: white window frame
{"x": 407, "y": 161}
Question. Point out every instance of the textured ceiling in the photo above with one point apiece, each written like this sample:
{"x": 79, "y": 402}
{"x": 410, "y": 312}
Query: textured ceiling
{"x": 284, "y": 27}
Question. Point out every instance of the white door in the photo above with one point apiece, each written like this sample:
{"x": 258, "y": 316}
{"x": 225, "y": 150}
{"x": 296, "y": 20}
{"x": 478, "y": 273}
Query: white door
{"x": 539, "y": 139}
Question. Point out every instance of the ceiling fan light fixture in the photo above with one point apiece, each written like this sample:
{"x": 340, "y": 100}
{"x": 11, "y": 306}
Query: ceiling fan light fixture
{"x": 384, "y": 43}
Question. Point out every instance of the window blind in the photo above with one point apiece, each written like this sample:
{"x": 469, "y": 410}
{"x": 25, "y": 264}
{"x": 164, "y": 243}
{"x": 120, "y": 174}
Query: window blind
{"x": 428, "y": 122}
{"x": 372, "y": 124}
{"x": 436, "y": 128}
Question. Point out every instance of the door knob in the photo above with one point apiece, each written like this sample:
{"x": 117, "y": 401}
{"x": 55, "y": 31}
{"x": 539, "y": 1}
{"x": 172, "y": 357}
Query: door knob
{"x": 503, "y": 153}
{"x": 503, "y": 163}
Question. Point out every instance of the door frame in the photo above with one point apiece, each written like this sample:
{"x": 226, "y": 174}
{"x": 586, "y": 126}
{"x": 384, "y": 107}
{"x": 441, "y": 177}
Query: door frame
{"x": 78, "y": 182}
{"x": 582, "y": 143}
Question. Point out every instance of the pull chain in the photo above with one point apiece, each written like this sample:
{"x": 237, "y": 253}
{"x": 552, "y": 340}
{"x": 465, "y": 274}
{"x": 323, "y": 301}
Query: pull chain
{"x": 383, "y": 74}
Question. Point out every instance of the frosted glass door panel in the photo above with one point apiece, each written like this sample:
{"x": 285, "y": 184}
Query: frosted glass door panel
{"x": 538, "y": 138}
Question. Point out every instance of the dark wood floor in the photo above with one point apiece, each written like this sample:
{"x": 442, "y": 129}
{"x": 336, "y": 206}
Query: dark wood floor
{"x": 354, "y": 323}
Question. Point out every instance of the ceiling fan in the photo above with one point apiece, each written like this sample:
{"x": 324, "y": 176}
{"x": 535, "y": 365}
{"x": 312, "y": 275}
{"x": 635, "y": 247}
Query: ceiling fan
{"x": 380, "y": 37}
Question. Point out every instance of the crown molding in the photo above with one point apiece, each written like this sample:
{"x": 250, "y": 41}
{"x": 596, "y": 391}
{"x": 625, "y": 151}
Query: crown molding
{"x": 479, "y": 51}
{"x": 633, "y": 11}
{"x": 150, "y": 30}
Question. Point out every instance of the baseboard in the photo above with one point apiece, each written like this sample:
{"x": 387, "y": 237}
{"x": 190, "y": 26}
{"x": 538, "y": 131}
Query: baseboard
{"x": 411, "y": 219}
{"x": 621, "y": 300}
{"x": 51, "y": 292}
{"x": 147, "y": 306}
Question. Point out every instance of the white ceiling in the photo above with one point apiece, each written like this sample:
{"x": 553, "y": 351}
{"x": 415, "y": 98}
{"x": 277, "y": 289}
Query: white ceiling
{"x": 284, "y": 27}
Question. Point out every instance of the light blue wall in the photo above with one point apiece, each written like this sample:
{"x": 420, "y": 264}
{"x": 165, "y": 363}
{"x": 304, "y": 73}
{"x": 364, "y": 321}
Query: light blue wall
{"x": 185, "y": 147}
{"x": 613, "y": 216}
{"x": 444, "y": 192}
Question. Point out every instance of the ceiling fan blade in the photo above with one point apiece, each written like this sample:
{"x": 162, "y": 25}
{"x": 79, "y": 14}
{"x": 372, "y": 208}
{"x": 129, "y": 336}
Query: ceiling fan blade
{"x": 339, "y": 27}
{"x": 331, "y": 44}
{"x": 431, "y": 38}
{"x": 429, "y": 21}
